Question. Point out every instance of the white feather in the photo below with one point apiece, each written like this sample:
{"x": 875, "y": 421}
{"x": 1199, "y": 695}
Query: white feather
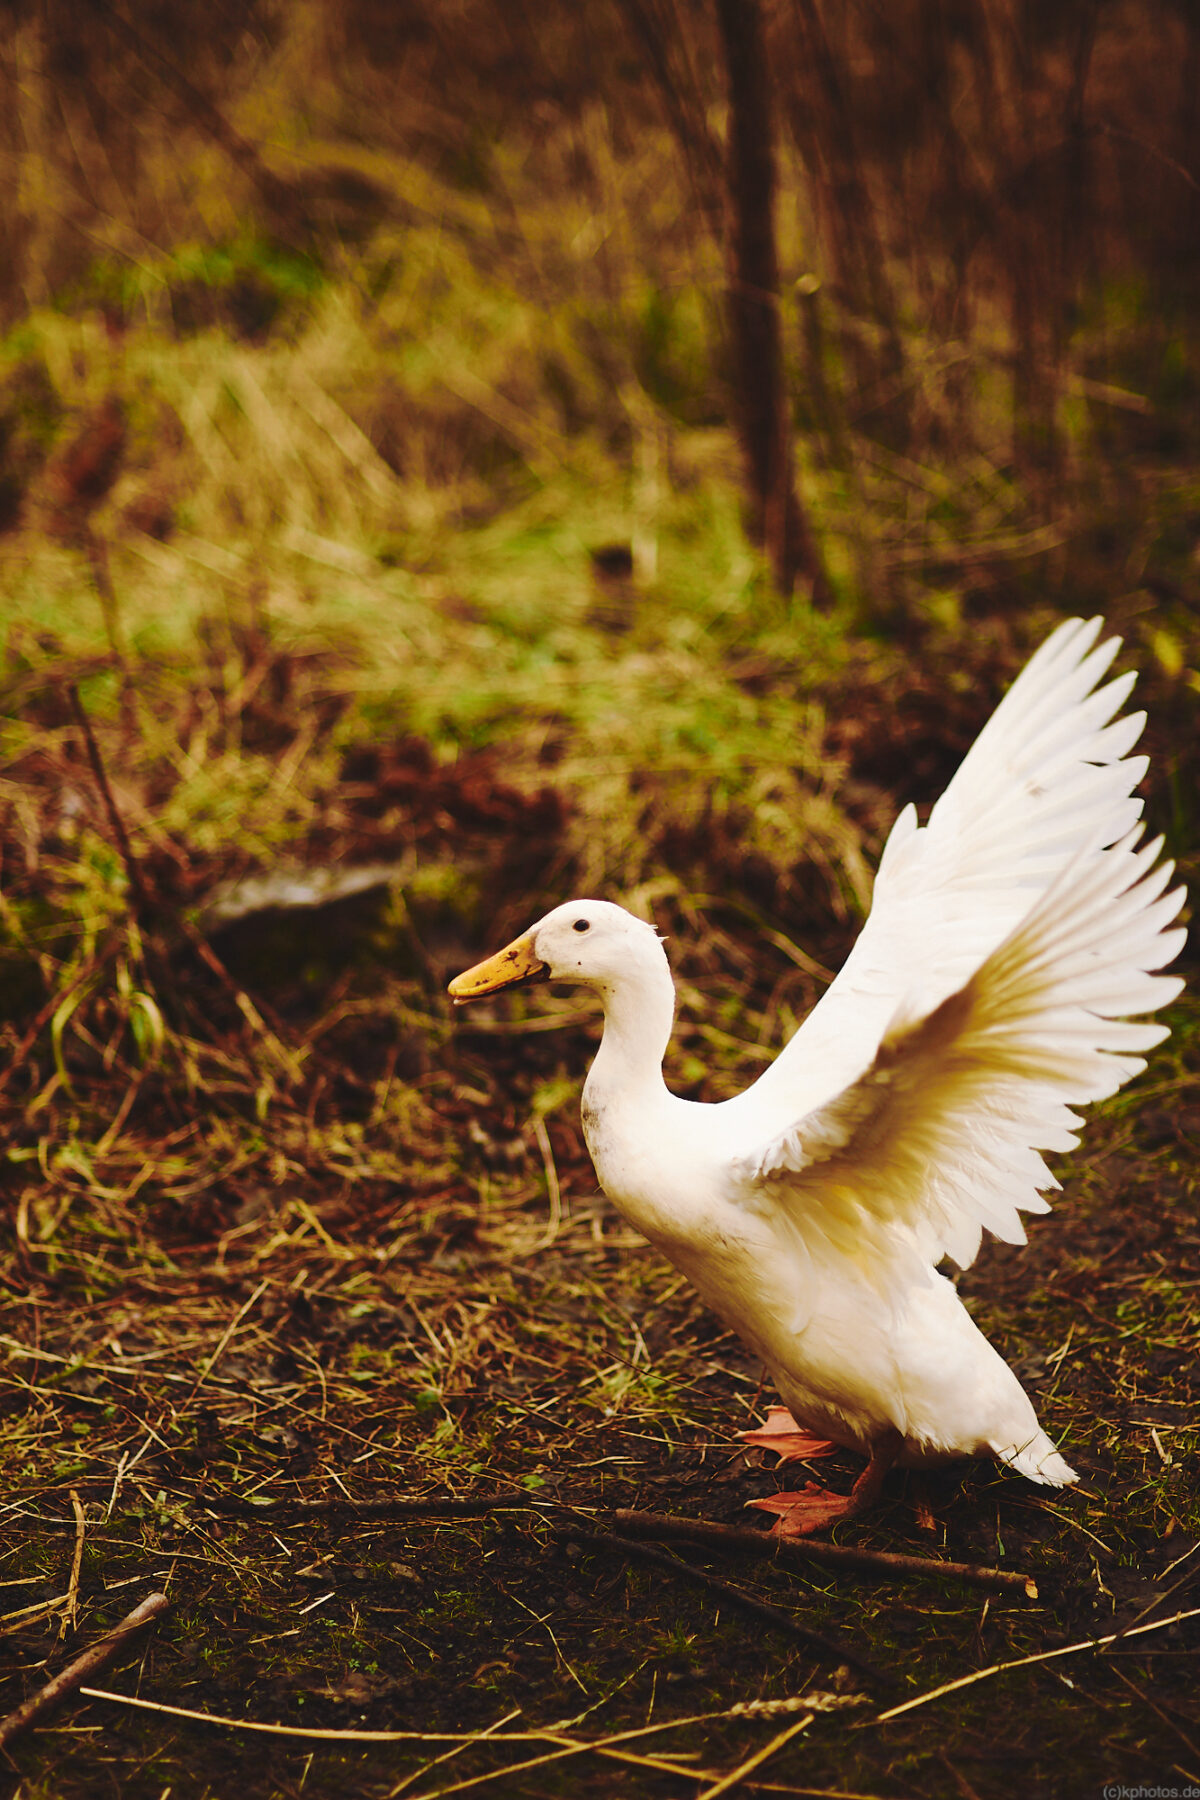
{"x": 986, "y": 1000}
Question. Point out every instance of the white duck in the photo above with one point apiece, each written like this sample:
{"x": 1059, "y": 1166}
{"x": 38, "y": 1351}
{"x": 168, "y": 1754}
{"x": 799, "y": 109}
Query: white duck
{"x": 1007, "y": 938}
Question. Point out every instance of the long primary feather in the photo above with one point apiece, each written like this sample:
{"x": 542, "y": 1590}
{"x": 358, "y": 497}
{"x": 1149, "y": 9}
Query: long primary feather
{"x": 1049, "y": 776}
{"x": 941, "y": 1134}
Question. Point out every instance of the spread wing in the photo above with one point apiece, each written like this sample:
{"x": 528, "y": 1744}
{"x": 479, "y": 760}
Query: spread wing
{"x": 940, "y": 1134}
{"x": 1049, "y": 776}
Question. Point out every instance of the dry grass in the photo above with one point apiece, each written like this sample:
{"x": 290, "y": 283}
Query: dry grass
{"x": 292, "y": 1258}
{"x": 311, "y": 1313}
{"x": 227, "y": 1396}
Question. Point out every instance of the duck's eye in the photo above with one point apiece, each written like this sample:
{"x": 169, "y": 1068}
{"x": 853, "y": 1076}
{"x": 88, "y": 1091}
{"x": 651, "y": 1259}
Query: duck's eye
{"x": 582, "y": 925}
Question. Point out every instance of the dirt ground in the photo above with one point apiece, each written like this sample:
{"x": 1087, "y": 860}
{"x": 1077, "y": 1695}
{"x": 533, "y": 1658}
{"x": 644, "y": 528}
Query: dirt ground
{"x": 315, "y": 1322}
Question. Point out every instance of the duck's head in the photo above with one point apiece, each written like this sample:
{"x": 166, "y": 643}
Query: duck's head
{"x": 591, "y": 942}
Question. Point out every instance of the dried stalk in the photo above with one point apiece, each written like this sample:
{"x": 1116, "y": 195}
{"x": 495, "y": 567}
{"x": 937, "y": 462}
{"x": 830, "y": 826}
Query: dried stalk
{"x": 132, "y": 866}
{"x": 71, "y": 1609}
{"x": 1028, "y": 1662}
{"x": 146, "y": 903}
{"x": 278, "y": 1512}
{"x": 736, "y": 1776}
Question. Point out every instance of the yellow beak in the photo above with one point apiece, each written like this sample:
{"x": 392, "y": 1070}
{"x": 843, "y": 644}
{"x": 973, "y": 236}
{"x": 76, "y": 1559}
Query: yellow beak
{"x": 516, "y": 962}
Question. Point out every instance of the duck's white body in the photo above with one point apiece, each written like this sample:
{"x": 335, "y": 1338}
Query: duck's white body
{"x": 1006, "y": 939}
{"x": 851, "y": 1360}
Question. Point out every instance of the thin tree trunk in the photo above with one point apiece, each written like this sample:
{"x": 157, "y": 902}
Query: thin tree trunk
{"x": 823, "y": 128}
{"x": 777, "y": 520}
{"x": 36, "y": 201}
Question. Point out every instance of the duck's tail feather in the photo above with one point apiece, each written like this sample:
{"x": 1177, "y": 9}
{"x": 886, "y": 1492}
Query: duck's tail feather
{"x": 1038, "y": 1460}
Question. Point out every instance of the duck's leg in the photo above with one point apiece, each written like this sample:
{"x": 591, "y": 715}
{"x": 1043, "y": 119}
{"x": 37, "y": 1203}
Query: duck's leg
{"x": 787, "y": 1439}
{"x": 814, "y": 1508}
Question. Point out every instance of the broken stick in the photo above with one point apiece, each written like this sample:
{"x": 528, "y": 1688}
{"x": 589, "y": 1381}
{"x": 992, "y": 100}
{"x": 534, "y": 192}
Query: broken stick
{"x": 765, "y": 1544}
{"x": 77, "y": 1672}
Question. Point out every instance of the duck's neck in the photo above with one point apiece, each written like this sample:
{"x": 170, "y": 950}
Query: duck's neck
{"x": 638, "y": 1015}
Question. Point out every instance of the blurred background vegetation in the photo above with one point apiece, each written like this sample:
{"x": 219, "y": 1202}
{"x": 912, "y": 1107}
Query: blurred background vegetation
{"x": 455, "y": 454}
{"x": 370, "y": 389}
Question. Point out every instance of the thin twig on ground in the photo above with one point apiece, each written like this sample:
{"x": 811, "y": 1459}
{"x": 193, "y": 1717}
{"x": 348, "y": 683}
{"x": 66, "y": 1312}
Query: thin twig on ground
{"x": 834, "y": 1648}
{"x": 766, "y": 1545}
{"x": 643, "y": 1525}
{"x": 70, "y": 1680}
{"x": 226, "y": 1336}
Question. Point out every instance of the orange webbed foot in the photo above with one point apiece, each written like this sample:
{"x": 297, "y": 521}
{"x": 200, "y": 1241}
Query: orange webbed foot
{"x": 812, "y": 1508}
{"x": 809, "y": 1509}
{"x": 787, "y": 1439}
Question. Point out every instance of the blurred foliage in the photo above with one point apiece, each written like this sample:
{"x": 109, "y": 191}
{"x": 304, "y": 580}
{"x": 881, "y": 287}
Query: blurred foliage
{"x": 499, "y": 247}
{"x": 365, "y": 380}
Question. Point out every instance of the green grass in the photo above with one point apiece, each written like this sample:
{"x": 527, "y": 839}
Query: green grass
{"x": 330, "y": 657}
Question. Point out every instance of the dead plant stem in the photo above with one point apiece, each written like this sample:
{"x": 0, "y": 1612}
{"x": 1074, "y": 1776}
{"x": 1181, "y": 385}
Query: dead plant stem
{"x": 1027, "y": 1662}
{"x": 735, "y": 1776}
{"x": 117, "y": 823}
{"x": 71, "y": 1609}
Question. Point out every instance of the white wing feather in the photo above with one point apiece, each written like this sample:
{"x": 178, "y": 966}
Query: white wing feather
{"x": 941, "y": 1133}
{"x": 1049, "y": 776}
